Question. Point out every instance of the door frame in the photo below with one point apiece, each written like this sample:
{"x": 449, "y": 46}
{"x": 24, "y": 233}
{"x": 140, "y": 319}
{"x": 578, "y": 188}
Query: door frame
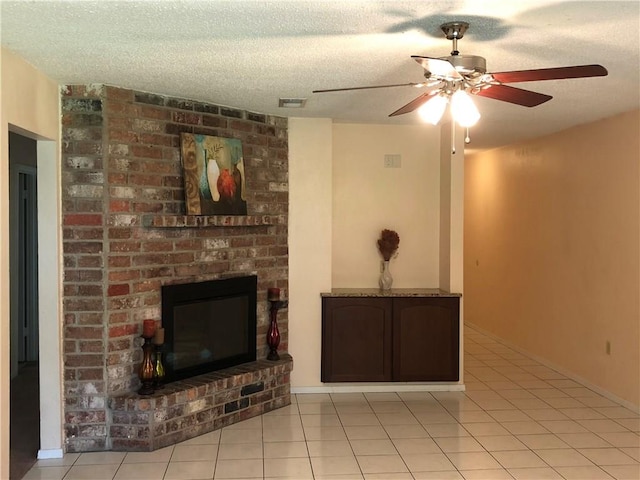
{"x": 15, "y": 268}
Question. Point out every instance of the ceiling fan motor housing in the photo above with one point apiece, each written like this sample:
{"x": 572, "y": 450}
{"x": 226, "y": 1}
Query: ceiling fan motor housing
{"x": 454, "y": 30}
{"x": 468, "y": 65}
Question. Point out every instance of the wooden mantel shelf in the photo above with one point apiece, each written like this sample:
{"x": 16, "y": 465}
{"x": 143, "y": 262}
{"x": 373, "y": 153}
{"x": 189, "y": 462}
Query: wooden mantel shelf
{"x": 204, "y": 221}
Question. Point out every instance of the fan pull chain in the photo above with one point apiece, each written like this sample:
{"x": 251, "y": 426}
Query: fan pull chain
{"x": 467, "y": 138}
{"x": 453, "y": 137}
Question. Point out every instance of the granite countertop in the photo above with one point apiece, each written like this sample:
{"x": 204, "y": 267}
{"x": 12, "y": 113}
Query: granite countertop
{"x": 394, "y": 292}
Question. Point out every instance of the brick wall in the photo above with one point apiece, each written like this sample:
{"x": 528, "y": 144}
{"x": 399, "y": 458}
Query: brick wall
{"x": 120, "y": 167}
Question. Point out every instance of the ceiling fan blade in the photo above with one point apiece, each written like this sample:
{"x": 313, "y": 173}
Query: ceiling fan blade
{"x": 415, "y": 103}
{"x": 559, "y": 73}
{"x": 373, "y": 86}
{"x": 519, "y": 96}
{"x": 438, "y": 67}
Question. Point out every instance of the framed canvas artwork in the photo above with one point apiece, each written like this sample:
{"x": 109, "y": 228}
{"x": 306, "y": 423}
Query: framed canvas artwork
{"x": 214, "y": 175}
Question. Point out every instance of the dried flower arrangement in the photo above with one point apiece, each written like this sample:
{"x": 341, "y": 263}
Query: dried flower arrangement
{"x": 388, "y": 244}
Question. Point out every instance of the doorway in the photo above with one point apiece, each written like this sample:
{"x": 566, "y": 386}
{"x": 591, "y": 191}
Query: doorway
{"x": 24, "y": 394}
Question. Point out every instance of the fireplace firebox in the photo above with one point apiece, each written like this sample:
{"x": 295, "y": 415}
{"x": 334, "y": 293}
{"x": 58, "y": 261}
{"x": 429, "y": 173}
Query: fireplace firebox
{"x": 209, "y": 325}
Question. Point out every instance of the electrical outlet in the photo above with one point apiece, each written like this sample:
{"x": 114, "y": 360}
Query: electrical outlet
{"x": 607, "y": 347}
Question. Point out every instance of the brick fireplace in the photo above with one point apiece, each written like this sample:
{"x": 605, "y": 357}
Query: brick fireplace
{"x": 125, "y": 235}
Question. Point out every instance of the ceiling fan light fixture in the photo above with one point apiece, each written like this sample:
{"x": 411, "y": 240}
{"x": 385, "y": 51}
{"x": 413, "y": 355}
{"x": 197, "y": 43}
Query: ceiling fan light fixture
{"x": 433, "y": 110}
{"x": 463, "y": 109}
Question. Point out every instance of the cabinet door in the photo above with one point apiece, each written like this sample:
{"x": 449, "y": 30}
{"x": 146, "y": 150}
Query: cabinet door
{"x": 356, "y": 339}
{"x": 426, "y": 341}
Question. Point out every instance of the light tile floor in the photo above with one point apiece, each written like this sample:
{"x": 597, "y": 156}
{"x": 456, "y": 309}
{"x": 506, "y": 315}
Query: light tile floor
{"x": 518, "y": 419}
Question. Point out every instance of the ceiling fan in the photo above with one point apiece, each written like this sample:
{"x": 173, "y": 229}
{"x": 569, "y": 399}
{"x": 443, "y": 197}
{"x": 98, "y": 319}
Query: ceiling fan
{"x": 451, "y": 78}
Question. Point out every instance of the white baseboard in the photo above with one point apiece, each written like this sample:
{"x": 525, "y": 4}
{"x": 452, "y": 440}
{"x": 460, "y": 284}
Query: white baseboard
{"x": 384, "y": 387}
{"x": 50, "y": 453}
{"x": 576, "y": 378}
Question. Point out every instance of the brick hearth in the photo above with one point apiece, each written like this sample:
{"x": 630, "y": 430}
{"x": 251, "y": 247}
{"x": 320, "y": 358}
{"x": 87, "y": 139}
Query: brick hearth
{"x": 188, "y": 408}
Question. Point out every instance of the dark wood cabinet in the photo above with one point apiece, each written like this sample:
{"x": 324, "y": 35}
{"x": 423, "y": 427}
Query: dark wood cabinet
{"x": 426, "y": 339}
{"x": 356, "y": 340}
{"x": 390, "y": 338}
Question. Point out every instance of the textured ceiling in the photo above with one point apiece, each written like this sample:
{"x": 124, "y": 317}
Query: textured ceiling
{"x": 248, "y": 53}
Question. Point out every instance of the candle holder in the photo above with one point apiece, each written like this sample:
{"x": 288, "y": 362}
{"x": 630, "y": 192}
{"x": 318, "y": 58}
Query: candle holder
{"x": 273, "y": 334}
{"x": 158, "y": 368}
{"x": 146, "y": 372}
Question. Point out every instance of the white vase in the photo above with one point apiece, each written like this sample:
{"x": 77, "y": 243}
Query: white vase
{"x": 213, "y": 172}
{"x": 386, "y": 280}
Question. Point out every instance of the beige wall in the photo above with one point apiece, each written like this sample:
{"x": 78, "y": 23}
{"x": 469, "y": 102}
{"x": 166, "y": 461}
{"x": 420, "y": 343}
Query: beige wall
{"x": 310, "y": 191}
{"x": 452, "y": 211}
{"x": 368, "y": 197}
{"x": 552, "y": 249}
{"x": 29, "y": 106}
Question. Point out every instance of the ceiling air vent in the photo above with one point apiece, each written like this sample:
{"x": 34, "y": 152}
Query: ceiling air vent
{"x": 292, "y": 102}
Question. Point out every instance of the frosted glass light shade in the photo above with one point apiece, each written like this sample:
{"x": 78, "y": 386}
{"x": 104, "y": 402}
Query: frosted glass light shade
{"x": 433, "y": 110}
{"x": 463, "y": 109}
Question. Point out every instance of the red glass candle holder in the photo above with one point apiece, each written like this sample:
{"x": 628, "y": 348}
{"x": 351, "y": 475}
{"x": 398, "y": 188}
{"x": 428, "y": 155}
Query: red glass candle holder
{"x": 273, "y": 334}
